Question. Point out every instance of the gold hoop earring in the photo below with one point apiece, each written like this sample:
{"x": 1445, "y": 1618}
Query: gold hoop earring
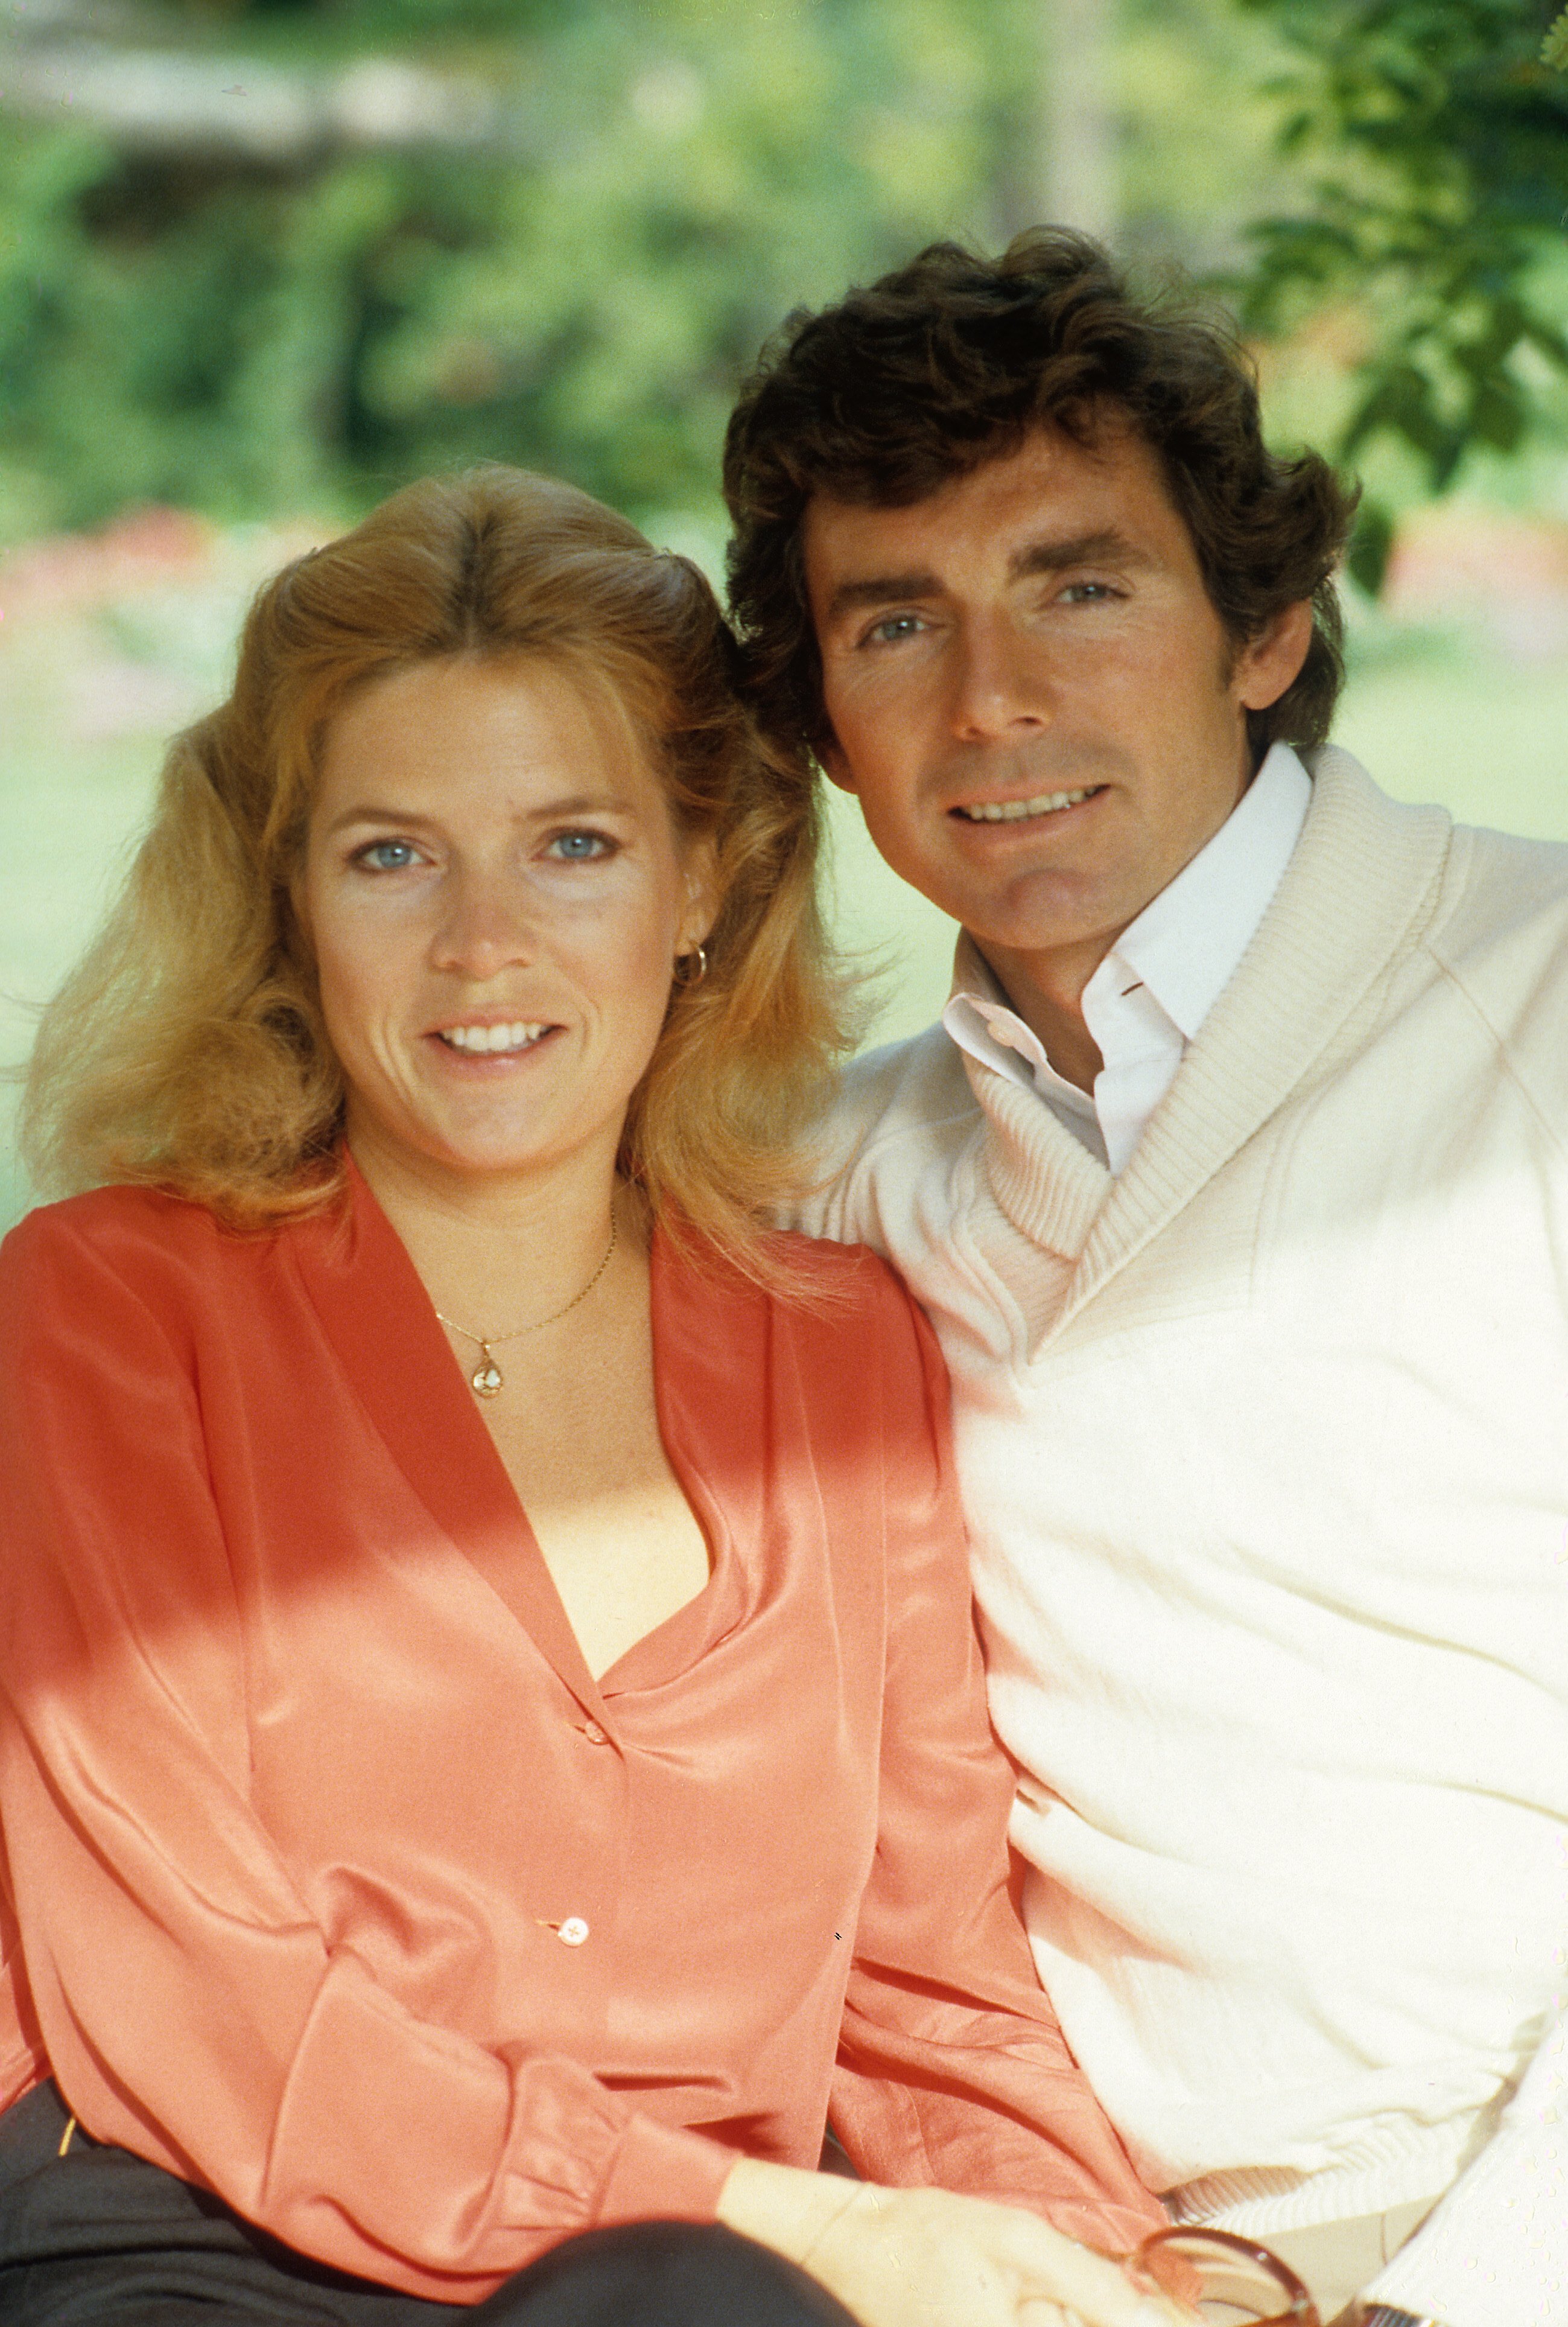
{"x": 684, "y": 976}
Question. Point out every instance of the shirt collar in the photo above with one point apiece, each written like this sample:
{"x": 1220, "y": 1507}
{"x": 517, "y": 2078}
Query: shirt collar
{"x": 1187, "y": 943}
{"x": 982, "y": 1021}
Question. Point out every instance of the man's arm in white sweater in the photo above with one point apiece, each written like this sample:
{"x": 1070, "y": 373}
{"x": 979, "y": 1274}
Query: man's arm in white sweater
{"x": 1494, "y": 2252}
{"x": 909, "y": 1094}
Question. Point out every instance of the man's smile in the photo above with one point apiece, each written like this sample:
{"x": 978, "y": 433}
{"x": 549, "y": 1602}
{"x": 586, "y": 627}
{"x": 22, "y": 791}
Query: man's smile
{"x": 1014, "y": 811}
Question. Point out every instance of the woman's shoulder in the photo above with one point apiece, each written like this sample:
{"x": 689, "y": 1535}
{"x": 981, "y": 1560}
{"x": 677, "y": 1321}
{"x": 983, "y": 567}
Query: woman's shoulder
{"x": 149, "y": 1242}
{"x": 838, "y": 1275}
{"x": 842, "y": 1301}
{"x": 116, "y": 1220}
{"x": 797, "y": 1273}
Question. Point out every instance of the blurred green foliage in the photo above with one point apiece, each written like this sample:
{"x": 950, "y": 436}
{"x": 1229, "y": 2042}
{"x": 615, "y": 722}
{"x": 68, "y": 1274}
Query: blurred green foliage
{"x": 581, "y": 292}
{"x": 1436, "y": 134}
{"x": 582, "y": 287}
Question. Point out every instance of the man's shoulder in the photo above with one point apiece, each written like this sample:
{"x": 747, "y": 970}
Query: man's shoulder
{"x": 1501, "y": 940}
{"x": 1492, "y": 883}
{"x": 1491, "y": 908}
{"x": 899, "y": 1112}
{"x": 1489, "y": 926}
{"x": 1504, "y": 888}
{"x": 905, "y": 1087}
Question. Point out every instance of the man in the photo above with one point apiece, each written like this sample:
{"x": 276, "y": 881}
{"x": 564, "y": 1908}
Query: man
{"x": 1235, "y": 1183}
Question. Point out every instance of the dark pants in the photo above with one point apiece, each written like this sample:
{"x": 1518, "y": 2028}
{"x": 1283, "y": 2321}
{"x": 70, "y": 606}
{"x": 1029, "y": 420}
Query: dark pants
{"x": 100, "y": 2239}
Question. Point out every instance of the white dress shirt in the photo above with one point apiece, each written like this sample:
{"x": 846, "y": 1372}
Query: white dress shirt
{"x": 1153, "y": 990}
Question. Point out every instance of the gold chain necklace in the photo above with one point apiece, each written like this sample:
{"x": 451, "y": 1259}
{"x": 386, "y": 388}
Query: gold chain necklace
{"x": 487, "y": 1376}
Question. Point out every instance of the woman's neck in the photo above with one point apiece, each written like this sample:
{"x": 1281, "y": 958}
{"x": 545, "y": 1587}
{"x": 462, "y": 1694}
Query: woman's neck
{"x": 486, "y": 1245}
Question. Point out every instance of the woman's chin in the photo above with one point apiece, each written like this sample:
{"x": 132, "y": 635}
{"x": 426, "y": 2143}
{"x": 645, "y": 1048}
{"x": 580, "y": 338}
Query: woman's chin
{"x": 473, "y": 1144}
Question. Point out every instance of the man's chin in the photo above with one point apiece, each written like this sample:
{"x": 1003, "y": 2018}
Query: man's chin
{"x": 1035, "y": 912}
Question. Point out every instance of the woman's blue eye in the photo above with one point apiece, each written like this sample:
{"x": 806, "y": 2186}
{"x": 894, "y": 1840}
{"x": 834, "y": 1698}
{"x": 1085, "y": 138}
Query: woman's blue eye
{"x": 388, "y": 855}
{"x": 578, "y": 847}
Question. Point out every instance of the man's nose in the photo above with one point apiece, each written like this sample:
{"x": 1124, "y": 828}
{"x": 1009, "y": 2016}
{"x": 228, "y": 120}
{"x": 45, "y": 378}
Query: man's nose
{"x": 1001, "y": 685}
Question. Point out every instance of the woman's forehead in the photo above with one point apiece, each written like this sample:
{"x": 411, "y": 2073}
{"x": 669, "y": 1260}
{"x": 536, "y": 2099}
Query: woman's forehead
{"x": 512, "y": 736}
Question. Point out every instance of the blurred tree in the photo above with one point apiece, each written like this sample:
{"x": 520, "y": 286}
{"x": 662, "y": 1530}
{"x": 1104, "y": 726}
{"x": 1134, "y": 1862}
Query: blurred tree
{"x": 261, "y": 254}
{"x": 203, "y": 323}
{"x": 239, "y": 269}
{"x": 1437, "y": 131}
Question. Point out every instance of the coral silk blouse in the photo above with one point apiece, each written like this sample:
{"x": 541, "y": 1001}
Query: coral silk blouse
{"x": 333, "y": 1882}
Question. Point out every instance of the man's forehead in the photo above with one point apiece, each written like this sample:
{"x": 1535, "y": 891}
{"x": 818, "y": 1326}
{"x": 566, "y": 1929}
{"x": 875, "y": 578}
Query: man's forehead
{"x": 1052, "y": 492}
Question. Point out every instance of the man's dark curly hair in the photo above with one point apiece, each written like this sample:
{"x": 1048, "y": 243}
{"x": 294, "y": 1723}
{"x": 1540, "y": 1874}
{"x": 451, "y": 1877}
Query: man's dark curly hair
{"x": 952, "y": 361}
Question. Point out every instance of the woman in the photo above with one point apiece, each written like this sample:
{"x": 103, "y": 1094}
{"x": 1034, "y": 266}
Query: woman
{"x": 397, "y": 1887}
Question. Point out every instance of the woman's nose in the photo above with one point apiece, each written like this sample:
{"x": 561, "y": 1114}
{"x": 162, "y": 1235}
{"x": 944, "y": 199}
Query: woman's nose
{"x": 487, "y": 927}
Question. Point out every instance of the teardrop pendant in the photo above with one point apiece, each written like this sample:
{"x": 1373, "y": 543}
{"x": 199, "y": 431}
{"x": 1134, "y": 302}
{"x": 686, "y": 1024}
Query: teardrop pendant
{"x": 486, "y": 1380}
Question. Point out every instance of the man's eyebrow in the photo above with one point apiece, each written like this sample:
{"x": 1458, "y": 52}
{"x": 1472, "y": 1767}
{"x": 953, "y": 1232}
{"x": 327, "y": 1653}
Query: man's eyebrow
{"x": 1103, "y": 548}
{"x": 1106, "y": 546}
{"x": 881, "y": 590}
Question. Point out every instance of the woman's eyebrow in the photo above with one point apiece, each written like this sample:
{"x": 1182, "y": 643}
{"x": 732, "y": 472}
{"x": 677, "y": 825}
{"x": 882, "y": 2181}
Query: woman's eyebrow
{"x": 581, "y": 804}
{"x": 539, "y": 812}
{"x": 369, "y": 813}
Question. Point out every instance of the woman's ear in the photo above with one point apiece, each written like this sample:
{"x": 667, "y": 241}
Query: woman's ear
{"x": 701, "y": 910}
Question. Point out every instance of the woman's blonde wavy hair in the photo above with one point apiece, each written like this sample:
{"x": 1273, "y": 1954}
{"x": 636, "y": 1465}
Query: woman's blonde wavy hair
{"x": 187, "y": 1049}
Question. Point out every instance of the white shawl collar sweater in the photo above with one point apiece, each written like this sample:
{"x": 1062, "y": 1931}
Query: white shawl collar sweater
{"x": 1265, "y": 1449}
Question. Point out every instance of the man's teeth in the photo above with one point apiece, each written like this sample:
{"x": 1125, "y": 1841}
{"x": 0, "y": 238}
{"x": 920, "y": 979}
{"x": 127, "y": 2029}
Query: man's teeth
{"x": 1014, "y": 811}
{"x": 514, "y": 1037}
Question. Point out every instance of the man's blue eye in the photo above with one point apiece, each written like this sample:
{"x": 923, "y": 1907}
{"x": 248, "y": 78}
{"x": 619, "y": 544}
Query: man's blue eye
{"x": 896, "y": 626}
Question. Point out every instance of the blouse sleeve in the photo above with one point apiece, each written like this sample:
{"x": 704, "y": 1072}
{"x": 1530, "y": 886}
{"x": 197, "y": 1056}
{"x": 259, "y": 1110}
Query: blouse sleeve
{"x": 952, "y": 2069}
{"x": 188, "y": 2002}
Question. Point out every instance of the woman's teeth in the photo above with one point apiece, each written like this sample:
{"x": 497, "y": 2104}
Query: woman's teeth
{"x": 1014, "y": 811}
{"x": 514, "y": 1037}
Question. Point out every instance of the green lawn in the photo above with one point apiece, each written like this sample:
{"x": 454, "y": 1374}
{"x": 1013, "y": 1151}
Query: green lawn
{"x": 89, "y": 690}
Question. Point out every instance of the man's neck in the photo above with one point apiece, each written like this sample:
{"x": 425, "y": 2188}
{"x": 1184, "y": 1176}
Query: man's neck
{"x": 1047, "y": 991}
{"x": 1208, "y": 926}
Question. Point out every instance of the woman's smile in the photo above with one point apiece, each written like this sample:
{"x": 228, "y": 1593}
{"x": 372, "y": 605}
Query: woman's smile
{"x": 508, "y": 1039}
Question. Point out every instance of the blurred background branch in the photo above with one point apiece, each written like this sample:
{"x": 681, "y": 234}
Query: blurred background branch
{"x": 1435, "y": 132}
{"x": 261, "y": 253}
